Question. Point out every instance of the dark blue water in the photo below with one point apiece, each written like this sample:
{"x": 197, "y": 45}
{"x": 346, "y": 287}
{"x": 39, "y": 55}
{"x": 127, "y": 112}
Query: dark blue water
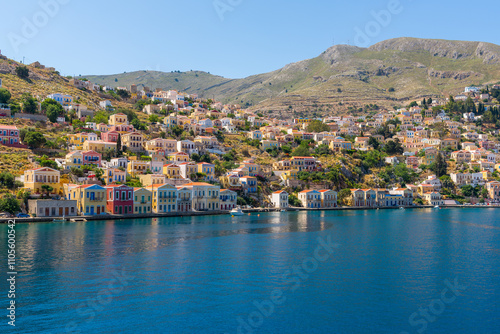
{"x": 322, "y": 272}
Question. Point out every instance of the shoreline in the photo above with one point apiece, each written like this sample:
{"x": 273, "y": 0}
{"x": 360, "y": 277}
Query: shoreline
{"x": 218, "y": 213}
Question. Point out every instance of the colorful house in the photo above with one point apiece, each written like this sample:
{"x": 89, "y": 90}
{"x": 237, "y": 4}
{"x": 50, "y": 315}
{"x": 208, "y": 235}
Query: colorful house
{"x": 9, "y": 135}
{"x": 208, "y": 170}
{"x": 280, "y": 199}
{"x": 310, "y": 199}
{"x": 91, "y": 158}
{"x": 205, "y": 196}
{"x": 164, "y": 198}
{"x": 34, "y": 179}
{"x": 114, "y": 175}
{"x": 227, "y": 199}
{"x": 184, "y": 199}
{"x": 249, "y": 184}
{"x": 119, "y": 199}
{"x": 91, "y": 198}
{"x": 142, "y": 201}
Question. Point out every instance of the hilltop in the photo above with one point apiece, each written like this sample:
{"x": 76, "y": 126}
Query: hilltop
{"x": 388, "y": 73}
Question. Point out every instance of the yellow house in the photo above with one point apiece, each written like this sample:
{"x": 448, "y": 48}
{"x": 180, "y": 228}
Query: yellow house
{"x": 206, "y": 141}
{"x": 73, "y": 159}
{"x": 91, "y": 198}
{"x": 142, "y": 201}
{"x": 208, "y": 170}
{"x": 150, "y": 179}
{"x": 135, "y": 167}
{"x": 34, "y": 179}
{"x": 291, "y": 174}
{"x": 77, "y": 140}
{"x": 178, "y": 157}
{"x": 118, "y": 119}
{"x": 98, "y": 146}
{"x": 114, "y": 175}
{"x": 133, "y": 141}
{"x": 164, "y": 198}
{"x": 172, "y": 171}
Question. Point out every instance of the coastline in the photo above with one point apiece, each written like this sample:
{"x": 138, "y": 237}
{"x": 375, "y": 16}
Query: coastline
{"x": 218, "y": 213}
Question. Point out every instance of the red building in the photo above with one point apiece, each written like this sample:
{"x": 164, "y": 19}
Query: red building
{"x": 110, "y": 136}
{"x": 120, "y": 199}
{"x": 92, "y": 158}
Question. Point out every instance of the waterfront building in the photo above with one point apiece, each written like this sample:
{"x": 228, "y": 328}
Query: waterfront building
{"x": 119, "y": 199}
{"x": 34, "y": 179}
{"x": 142, "y": 201}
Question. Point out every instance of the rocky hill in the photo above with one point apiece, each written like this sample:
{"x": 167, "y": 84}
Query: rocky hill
{"x": 353, "y": 76}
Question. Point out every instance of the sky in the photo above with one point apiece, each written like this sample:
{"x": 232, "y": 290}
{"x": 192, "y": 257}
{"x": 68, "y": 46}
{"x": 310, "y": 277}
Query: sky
{"x": 231, "y": 38}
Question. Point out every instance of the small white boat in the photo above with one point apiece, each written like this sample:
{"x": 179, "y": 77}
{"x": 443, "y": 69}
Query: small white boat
{"x": 437, "y": 207}
{"x": 401, "y": 208}
{"x": 236, "y": 212}
{"x": 60, "y": 220}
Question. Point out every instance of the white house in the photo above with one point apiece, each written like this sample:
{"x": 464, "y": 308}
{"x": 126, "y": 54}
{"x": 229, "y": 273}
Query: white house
{"x": 280, "y": 199}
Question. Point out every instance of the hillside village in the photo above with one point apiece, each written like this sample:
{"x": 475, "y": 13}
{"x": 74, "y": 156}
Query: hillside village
{"x": 148, "y": 150}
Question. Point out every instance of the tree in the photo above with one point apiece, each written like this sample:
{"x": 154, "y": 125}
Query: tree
{"x": 34, "y": 139}
{"x": 30, "y": 105}
{"x": 4, "y": 96}
{"x": 301, "y": 151}
{"x": 394, "y": 147}
{"x": 154, "y": 118}
{"x": 344, "y": 196}
{"x": 47, "y": 189}
{"x": 439, "y": 166}
{"x": 373, "y": 142}
{"x": 22, "y": 72}
{"x": 53, "y": 112}
{"x": 294, "y": 201}
{"x": 468, "y": 190}
{"x": 317, "y": 126}
{"x": 7, "y": 180}
{"x": 123, "y": 93}
{"x": 176, "y": 131}
{"x": 138, "y": 125}
{"x": 48, "y": 102}
{"x": 119, "y": 144}
{"x": 9, "y": 204}
{"x": 447, "y": 182}
{"x": 286, "y": 149}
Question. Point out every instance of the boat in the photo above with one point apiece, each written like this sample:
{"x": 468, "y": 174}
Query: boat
{"x": 60, "y": 220}
{"x": 401, "y": 208}
{"x": 236, "y": 212}
{"x": 283, "y": 210}
{"x": 78, "y": 220}
{"x": 437, "y": 207}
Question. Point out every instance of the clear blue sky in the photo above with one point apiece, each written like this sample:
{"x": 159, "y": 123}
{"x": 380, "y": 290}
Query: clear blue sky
{"x": 241, "y": 38}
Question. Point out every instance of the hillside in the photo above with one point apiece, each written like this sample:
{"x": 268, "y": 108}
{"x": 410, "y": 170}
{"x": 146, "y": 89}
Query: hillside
{"x": 415, "y": 68}
{"x": 43, "y": 82}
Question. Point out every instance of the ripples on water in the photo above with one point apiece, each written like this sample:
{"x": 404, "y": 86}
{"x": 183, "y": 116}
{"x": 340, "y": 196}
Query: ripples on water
{"x": 199, "y": 274}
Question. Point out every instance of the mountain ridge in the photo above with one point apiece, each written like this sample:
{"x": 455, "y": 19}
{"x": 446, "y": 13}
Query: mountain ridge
{"x": 342, "y": 74}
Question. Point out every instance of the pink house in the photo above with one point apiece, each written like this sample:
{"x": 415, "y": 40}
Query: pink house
{"x": 110, "y": 136}
{"x": 122, "y": 128}
{"x": 9, "y": 134}
{"x": 92, "y": 158}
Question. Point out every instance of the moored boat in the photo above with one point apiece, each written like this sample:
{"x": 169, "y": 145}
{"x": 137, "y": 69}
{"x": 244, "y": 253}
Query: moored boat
{"x": 236, "y": 212}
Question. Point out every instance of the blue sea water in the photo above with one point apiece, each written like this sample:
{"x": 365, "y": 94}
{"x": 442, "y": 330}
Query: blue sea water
{"x": 384, "y": 271}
